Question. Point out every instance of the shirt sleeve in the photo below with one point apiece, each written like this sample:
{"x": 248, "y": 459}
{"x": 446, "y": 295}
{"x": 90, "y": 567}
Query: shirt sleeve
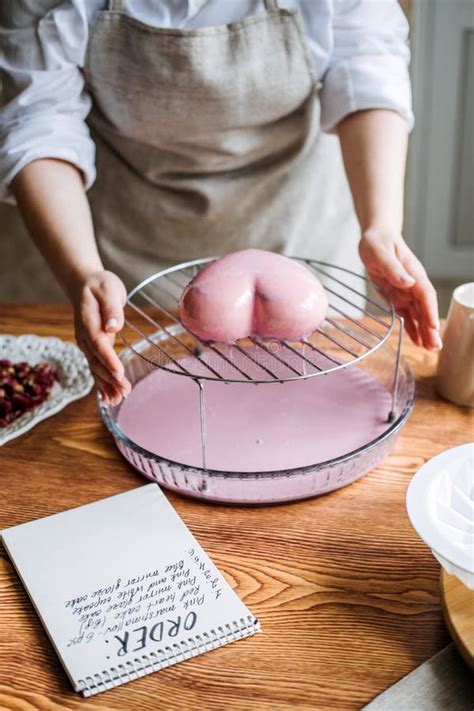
{"x": 368, "y": 65}
{"x": 43, "y": 104}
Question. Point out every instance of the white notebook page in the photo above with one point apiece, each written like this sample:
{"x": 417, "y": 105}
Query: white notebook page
{"x": 121, "y": 584}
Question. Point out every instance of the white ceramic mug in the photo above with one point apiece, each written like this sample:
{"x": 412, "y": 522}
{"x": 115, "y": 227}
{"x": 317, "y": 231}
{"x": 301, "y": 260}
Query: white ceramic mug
{"x": 456, "y": 361}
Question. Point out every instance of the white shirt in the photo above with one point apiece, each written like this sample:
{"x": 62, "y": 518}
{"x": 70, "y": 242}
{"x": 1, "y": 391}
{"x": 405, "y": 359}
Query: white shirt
{"x": 359, "y": 49}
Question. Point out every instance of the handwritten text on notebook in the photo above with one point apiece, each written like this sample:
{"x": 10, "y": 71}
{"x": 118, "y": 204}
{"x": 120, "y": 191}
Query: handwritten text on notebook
{"x": 166, "y": 599}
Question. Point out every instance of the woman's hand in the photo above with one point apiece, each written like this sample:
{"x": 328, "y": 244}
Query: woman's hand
{"x": 98, "y": 306}
{"x": 51, "y": 197}
{"x": 374, "y": 146}
{"x": 395, "y": 269}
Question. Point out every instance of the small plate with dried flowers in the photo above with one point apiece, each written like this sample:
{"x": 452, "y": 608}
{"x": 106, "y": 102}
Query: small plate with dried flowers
{"x": 38, "y": 377}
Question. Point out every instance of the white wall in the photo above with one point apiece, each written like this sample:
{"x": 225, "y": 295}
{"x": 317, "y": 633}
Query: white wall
{"x": 440, "y": 191}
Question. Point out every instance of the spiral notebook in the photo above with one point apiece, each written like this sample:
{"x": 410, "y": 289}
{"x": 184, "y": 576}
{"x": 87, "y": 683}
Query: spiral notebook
{"x": 123, "y": 588}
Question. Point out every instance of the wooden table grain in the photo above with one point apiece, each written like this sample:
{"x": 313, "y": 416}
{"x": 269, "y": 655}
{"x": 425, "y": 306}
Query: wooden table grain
{"x": 458, "y": 607}
{"x": 347, "y": 594}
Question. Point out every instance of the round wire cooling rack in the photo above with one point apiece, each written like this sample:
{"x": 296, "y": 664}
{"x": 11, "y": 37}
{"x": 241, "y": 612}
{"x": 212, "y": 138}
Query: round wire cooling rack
{"x": 357, "y": 324}
{"x": 352, "y": 328}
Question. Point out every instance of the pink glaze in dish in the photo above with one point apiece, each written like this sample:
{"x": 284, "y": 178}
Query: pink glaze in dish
{"x": 256, "y": 428}
{"x": 253, "y": 292}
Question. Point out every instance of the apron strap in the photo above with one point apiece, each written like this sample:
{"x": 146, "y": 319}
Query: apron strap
{"x": 271, "y": 5}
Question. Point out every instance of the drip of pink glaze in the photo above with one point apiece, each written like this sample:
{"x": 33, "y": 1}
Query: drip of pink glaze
{"x": 256, "y": 428}
{"x": 253, "y": 292}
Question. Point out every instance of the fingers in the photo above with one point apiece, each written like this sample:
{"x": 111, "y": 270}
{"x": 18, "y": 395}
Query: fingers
{"x": 103, "y": 379}
{"x": 99, "y": 342}
{"x": 102, "y": 301}
{"x": 98, "y": 368}
{"x": 102, "y": 347}
{"x": 423, "y": 289}
{"x": 411, "y": 326}
{"x": 111, "y": 390}
{"x": 109, "y": 394}
{"x": 426, "y": 301}
{"x": 111, "y": 296}
{"x": 430, "y": 336}
{"x": 392, "y": 262}
{"x": 417, "y": 328}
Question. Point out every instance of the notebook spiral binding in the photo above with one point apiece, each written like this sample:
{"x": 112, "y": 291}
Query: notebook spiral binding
{"x": 166, "y": 656}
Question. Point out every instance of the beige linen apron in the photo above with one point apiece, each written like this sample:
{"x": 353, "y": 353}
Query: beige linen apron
{"x": 208, "y": 141}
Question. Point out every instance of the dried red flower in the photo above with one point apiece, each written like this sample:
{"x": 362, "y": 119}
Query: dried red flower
{"x": 23, "y": 387}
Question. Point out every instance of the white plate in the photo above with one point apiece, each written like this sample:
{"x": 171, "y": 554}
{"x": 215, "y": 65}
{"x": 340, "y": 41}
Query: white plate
{"x": 75, "y": 379}
{"x": 440, "y": 505}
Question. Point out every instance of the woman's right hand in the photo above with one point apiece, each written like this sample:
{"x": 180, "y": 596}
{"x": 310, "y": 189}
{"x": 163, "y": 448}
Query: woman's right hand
{"x": 98, "y": 306}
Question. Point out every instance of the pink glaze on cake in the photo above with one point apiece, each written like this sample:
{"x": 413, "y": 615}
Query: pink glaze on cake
{"x": 253, "y": 428}
{"x": 253, "y": 292}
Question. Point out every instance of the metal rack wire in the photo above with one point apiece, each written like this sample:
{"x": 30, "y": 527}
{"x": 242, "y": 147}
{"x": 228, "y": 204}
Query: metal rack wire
{"x": 356, "y": 326}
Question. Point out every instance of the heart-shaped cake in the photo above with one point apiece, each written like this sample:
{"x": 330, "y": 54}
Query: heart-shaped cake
{"x": 253, "y": 293}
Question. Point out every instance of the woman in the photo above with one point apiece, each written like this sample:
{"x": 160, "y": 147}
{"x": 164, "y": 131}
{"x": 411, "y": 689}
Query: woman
{"x": 206, "y": 117}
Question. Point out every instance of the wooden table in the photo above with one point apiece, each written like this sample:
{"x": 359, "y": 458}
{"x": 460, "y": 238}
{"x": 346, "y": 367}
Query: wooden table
{"x": 347, "y": 594}
{"x": 458, "y": 608}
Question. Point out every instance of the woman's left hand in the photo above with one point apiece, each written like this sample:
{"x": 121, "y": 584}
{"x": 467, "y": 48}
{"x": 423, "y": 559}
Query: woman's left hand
{"x": 394, "y": 268}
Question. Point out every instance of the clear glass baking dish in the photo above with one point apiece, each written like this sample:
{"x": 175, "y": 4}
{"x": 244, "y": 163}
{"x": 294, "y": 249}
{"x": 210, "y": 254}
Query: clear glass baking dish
{"x": 265, "y": 487}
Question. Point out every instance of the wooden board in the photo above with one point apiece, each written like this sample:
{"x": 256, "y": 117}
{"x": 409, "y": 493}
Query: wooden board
{"x": 347, "y": 594}
{"x": 458, "y": 608}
